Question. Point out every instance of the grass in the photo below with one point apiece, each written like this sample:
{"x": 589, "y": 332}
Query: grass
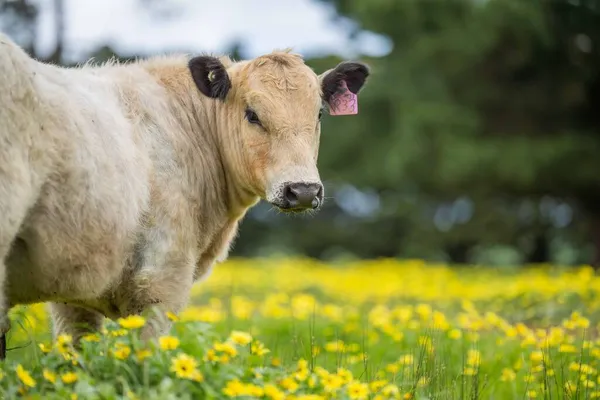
{"x": 299, "y": 329}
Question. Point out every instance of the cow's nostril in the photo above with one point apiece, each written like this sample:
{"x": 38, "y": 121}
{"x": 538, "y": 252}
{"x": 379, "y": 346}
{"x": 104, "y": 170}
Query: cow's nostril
{"x": 290, "y": 196}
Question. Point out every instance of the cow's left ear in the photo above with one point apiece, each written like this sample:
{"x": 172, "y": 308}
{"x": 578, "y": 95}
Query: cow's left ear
{"x": 210, "y": 76}
{"x": 346, "y": 76}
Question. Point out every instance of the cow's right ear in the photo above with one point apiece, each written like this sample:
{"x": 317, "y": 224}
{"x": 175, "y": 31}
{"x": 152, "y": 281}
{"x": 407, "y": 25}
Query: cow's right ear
{"x": 210, "y": 76}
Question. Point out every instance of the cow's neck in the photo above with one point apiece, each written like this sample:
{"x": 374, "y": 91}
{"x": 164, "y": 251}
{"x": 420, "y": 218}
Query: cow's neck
{"x": 200, "y": 144}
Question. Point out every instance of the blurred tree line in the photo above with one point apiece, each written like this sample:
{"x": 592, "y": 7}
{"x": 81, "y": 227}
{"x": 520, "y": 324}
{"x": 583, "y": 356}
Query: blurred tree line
{"x": 477, "y": 140}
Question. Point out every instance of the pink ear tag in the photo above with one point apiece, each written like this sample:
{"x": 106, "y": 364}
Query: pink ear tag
{"x": 345, "y": 103}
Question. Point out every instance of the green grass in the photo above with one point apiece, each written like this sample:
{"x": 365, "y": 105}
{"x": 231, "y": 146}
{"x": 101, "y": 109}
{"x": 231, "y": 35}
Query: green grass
{"x": 372, "y": 330}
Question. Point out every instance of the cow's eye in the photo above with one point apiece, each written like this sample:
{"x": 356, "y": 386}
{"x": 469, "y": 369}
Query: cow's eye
{"x": 320, "y": 114}
{"x": 252, "y": 117}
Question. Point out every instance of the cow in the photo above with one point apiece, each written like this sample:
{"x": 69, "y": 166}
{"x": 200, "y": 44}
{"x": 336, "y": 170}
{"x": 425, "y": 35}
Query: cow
{"x": 122, "y": 184}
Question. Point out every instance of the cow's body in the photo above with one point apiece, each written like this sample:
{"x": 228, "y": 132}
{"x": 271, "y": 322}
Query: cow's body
{"x": 115, "y": 189}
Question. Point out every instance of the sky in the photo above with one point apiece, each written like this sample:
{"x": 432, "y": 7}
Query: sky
{"x": 205, "y": 26}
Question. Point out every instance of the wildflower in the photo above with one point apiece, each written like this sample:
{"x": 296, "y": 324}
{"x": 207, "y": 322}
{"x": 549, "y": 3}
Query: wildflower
{"x": 259, "y": 349}
{"x": 345, "y": 374}
{"x": 49, "y": 375}
{"x": 473, "y": 357}
{"x": 24, "y": 376}
{"x": 375, "y": 386}
{"x": 240, "y": 338}
{"x": 392, "y": 368}
{"x": 69, "y": 377}
{"x": 289, "y": 384}
{"x": 185, "y": 367}
{"x": 508, "y": 375}
{"x": 45, "y": 348}
{"x": 273, "y": 393}
{"x": 172, "y": 316}
{"x": 335, "y": 347}
{"x": 90, "y": 337}
{"x": 226, "y": 348}
{"x": 455, "y": 334}
{"x": 119, "y": 332}
{"x": 142, "y": 354}
{"x": 390, "y": 390}
{"x": 122, "y": 351}
{"x": 332, "y": 382}
{"x": 234, "y": 388}
{"x": 357, "y": 390}
{"x": 567, "y": 348}
{"x": 132, "y": 322}
{"x": 168, "y": 343}
{"x": 536, "y": 356}
{"x": 406, "y": 359}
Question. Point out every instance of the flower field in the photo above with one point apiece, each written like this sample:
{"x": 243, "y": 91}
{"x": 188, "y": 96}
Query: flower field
{"x": 300, "y": 329}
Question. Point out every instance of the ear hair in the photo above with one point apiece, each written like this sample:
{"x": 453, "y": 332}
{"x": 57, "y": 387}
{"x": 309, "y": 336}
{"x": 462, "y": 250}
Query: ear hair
{"x": 210, "y": 76}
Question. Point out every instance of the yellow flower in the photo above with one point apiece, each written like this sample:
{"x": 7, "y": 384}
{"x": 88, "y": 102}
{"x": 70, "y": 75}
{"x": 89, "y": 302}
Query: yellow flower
{"x": 567, "y": 348}
{"x": 45, "y": 348}
{"x": 172, "y": 316}
{"x": 473, "y": 358}
{"x": 122, "y": 351}
{"x": 536, "y": 356}
{"x": 508, "y": 375}
{"x": 390, "y": 390}
{"x": 345, "y": 374}
{"x": 375, "y": 386}
{"x": 118, "y": 332}
{"x": 49, "y": 375}
{"x": 392, "y": 368}
{"x": 259, "y": 349}
{"x": 185, "y": 367}
{"x": 406, "y": 359}
{"x": 332, "y": 382}
{"x": 142, "y": 354}
{"x": 132, "y": 322}
{"x": 240, "y": 338}
{"x": 289, "y": 384}
{"x": 273, "y": 393}
{"x": 168, "y": 343}
{"x": 69, "y": 377}
{"x": 455, "y": 334}
{"x": 24, "y": 376}
{"x": 91, "y": 337}
{"x": 234, "y": 388}
{"x": 226, "y": 348}
{"x": 357, "y": 390}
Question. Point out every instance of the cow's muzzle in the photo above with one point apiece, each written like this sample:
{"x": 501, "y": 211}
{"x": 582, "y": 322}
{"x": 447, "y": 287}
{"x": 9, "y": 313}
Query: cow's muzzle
{"x": 300, "y": 196}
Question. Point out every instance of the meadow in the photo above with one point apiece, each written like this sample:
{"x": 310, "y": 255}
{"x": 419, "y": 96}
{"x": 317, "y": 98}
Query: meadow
{"x": 300, "y": 329}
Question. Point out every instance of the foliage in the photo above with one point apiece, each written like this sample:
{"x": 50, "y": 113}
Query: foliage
{"x": 296, "y": 328}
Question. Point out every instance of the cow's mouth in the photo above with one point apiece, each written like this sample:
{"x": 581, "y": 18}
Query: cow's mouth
{"x": 293, "y": 210}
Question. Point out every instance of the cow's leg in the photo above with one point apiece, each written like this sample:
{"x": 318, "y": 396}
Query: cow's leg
{"x": 73, "y": 320}
{"x": 158, "y": 291}
{"x": 16, "y": 196}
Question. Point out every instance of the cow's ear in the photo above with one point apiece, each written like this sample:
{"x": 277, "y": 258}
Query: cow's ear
{"x": 345, "y": 80}
{"x": 210, "y": 76}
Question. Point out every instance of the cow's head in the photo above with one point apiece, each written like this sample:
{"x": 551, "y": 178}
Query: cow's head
{"x": 269, "y": 112}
